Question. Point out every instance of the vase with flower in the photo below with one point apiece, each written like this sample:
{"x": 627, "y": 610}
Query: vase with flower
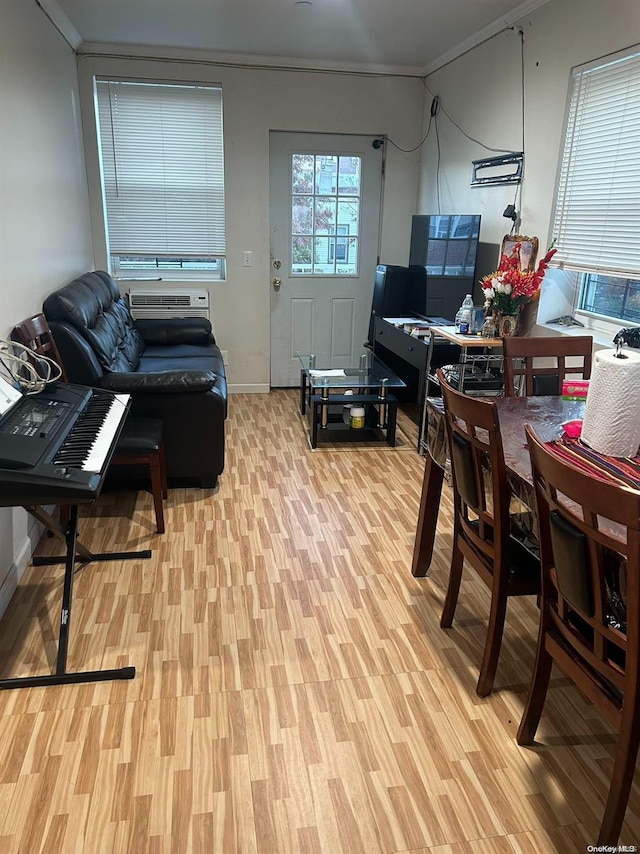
{"x": 509, "y": 288}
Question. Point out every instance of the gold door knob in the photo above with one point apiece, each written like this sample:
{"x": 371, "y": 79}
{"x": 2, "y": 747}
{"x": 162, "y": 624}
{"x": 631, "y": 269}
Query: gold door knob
{"x": 276, "y": 284}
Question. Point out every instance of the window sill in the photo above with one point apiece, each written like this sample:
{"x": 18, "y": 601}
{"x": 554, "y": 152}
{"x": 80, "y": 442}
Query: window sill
{"x": 600, "y": 337}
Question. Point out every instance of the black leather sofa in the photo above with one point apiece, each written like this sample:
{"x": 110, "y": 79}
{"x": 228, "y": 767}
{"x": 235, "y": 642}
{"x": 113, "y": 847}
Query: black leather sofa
{"x": 172, "y": 368}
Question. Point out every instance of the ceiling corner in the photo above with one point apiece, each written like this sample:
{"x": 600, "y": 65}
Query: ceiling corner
{"x": 61, "y": 22}
{"x": 483, "y": 35}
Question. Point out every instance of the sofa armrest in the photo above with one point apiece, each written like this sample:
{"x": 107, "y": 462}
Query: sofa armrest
{"x": 160, "y": 382}
{"x": 176, "y": 330}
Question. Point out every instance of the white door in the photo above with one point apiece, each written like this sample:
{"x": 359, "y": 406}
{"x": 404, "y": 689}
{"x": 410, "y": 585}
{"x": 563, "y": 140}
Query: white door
{"x": 325, "y": 193}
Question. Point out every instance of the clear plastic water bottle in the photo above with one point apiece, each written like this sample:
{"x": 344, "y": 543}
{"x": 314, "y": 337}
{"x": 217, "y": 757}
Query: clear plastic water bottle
{"x": 466, "y": 315}
{"x": 346, "y": 409}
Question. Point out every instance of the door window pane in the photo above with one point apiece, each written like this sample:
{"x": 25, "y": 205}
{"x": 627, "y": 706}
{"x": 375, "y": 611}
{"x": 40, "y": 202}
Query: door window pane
{"x": 325, "y": 214}
{"x": 326, "y": 174}
{"x": 323, "y": 262}
{"x": 349, "y": 176}
{"x": 302, "y": 215}
{"x": 302, "y": 173}
{"x": 301, "y": 254}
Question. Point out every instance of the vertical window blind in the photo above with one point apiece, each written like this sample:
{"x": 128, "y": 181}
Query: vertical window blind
{"x": 162, "y": 165}
{"x": 597, "y": 215}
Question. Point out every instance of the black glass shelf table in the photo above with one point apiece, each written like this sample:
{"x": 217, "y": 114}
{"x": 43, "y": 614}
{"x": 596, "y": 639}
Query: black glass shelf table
{"x": 329, "y": 383}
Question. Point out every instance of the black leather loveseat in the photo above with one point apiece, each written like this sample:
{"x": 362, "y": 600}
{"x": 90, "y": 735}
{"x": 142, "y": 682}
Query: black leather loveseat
{"x": 172, "y": 368}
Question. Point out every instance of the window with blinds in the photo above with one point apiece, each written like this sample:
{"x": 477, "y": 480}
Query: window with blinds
{"x": 597, "y": 216}
{"x": 162, "y": 168}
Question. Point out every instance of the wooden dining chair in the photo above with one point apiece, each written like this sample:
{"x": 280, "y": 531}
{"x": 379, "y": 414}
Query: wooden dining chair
{"x": 589, "y": 534}
{"x": 35, "y": 334}
{"x": 140, "y": 443}
{"x": 482, "y": 532}
{"x": 523, "y": 373}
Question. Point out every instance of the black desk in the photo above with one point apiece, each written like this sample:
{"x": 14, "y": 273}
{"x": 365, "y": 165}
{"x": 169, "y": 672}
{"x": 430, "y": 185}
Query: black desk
{"x": 408, "y": 357}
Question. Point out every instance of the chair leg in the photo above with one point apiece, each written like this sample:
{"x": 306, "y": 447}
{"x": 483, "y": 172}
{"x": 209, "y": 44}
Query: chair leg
{"x": 537, "y": 694}
{"x": 157, "y": 490}
{"x": 455, "y": 576}
{"x": 623, "y": 771}
{"x": 163, "y": 471}
{"x": 492, "y": 646}
{"x": 427, "y": 517}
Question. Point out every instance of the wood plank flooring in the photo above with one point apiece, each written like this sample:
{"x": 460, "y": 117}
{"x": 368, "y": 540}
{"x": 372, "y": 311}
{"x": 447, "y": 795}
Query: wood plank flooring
{"x": 294, "y": 692}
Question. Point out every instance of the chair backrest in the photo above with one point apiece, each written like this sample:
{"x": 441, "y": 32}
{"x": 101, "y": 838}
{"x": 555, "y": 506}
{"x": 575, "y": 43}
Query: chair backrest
{"x": 35, "y": 334}
{"x": 481, "y": 491}
{"x": 520, "y": 353}
{"x": 589, "y": 539}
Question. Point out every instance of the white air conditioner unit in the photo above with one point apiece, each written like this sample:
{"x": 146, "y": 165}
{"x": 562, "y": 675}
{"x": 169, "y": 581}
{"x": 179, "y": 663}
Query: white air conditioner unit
{"x": 156, "y": 303}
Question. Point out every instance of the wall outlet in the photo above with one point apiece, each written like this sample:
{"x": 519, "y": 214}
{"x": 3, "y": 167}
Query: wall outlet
{"x": 225, "y": 356}
{"x": 247, "y": 258}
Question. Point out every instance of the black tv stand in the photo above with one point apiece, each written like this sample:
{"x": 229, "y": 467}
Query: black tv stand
{"x": 408, "y": 356}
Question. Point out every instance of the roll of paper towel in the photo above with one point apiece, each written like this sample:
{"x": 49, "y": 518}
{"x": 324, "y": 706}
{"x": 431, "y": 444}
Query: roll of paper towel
{"x": 612, "y": 414}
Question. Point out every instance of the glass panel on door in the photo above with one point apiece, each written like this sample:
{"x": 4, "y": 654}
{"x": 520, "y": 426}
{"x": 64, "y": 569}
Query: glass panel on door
{"x": 325, "y": 214}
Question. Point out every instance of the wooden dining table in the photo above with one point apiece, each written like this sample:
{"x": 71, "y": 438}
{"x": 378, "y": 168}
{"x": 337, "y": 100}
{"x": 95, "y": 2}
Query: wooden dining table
{"x": 545, "y": 414}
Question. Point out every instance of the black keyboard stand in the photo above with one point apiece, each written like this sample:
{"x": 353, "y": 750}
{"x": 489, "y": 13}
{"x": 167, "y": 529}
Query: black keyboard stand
{"x": 75, "y": 551}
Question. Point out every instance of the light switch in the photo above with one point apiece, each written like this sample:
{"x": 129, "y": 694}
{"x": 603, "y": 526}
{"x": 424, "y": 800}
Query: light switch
{"x": 247, "y": 258}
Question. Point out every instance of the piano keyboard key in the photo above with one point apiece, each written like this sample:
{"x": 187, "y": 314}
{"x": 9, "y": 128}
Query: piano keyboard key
{"x": 91, "y": 438}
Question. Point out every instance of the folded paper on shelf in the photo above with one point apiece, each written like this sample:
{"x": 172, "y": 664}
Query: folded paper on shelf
{"x": 332, "y": 372}
{"x": 611, "y": 423}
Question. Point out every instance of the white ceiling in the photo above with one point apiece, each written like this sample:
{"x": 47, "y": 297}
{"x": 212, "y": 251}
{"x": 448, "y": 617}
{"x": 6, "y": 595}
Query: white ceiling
{"x": 409, "y": 35}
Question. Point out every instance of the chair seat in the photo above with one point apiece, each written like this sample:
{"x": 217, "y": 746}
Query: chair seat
{"x": 140, "y": 443}
{"x": 140, "y": 436}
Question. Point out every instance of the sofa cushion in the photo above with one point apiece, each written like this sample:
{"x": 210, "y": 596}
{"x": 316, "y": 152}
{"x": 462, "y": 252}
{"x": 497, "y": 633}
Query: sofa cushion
{"x": 151, "y": 365}
{"x": 213, "y": 363}
{"x": 163, "y": 382}
{"x": 195, "y": 331}
{"x": 93, "y": 305}
{"x": 181, "y": 351}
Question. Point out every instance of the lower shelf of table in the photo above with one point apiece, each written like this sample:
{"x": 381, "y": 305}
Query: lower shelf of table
{"x": 340, "y": 432}
{"x": 335, "y": 429}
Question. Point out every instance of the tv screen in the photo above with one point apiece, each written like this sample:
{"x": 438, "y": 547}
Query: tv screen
{"x": 445, "y": 244}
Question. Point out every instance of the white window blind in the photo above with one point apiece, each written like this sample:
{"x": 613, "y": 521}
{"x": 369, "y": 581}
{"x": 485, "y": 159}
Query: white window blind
{"x": 597, "y": 212}
{"x": 162, "y": 164}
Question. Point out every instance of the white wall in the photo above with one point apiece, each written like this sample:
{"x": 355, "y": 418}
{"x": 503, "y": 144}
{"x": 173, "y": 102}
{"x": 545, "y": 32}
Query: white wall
{"x": 255, "y": 102}
{"x": 45, "y": 238}
{"x": 481, "y": 92}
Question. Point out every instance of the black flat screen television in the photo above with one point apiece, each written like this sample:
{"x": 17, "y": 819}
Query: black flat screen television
{"x": 446, "y": 245}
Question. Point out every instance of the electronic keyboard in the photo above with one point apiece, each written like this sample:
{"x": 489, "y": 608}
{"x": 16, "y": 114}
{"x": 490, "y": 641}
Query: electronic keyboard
{"x": 56, "y": 445}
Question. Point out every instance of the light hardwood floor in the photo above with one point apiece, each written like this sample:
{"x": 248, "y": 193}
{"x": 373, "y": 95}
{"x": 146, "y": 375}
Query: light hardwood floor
{"x": 294, "y": 692}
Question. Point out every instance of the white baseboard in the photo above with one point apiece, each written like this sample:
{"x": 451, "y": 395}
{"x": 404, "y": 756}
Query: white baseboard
{"x": 16, "y": 570}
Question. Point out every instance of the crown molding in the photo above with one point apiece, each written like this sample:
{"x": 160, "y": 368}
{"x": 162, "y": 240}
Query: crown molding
{"x": 60, "y": 21}
{"x": 277, "y": 63}
{"x": 483, "y": 35}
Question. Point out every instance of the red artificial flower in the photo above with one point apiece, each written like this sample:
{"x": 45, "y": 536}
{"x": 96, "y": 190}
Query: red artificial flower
{"x": 510, "y": 287}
